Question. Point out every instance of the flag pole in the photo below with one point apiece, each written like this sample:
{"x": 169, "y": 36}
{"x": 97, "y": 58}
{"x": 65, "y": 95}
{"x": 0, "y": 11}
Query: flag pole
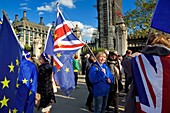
{"x": 3, "y": 12}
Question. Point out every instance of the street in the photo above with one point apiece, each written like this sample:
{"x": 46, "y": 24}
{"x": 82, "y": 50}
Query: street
{"x": 76, "y": 102}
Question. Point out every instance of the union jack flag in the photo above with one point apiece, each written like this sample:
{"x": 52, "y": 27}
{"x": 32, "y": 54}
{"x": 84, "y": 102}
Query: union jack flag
{"x": 152, "y": 83}
{"x": 66, "y": 44}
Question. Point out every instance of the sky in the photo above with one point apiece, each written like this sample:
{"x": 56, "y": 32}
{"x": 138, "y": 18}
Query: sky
{"x": 76, "y": 12}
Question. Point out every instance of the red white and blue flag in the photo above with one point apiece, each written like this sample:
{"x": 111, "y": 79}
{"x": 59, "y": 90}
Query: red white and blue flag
{"x": 152, "y": 83}
{"x": 66, "y": 44}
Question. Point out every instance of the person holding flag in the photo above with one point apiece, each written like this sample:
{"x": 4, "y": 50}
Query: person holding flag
{"x": 150, "y": 89}
{"x": 101, "y": 77}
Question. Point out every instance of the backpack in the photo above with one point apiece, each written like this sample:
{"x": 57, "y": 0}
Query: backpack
{"x": 87, "y": 73}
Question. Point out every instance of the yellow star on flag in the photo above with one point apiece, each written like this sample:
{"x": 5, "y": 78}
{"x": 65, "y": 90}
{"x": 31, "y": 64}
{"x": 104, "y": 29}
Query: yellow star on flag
{"x": 17, "y": 62}
{"x": 17, "y": 85}
{"x": 30, "y": 92}
{"x": 67, "y": 70}
{"x": 55, "y": 36}
{"x": 11, "y": 67}
{"x": 4, "y": 102}
{"x": 54, "y": 63}
{"x": 58, "y": 70}
{"x": 14, "y": 110}
{"x": 24, "y": 81}
{"x": 59, "y": 55}
{"x": 5, "y": 83}
{"x": 59, "y": 45}
{"x": 31, "y": 80}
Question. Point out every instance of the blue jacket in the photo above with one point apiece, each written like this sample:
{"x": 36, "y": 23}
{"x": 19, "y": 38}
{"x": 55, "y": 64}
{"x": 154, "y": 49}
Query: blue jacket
{"x": 98, "y": 79}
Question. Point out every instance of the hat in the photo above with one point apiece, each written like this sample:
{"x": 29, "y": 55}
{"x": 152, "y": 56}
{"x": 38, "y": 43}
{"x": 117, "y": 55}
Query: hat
{"x": 45, "y": 57}
{"x": 26, "y": 54}
{"x": 113, "y": 52}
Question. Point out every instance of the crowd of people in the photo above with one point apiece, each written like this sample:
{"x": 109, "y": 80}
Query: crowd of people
{"x": 103, "y": 75}
{"x": 105, "y": 70}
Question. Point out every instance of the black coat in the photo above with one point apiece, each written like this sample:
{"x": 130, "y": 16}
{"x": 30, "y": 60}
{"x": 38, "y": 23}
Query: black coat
{"x": 45, "y": 88}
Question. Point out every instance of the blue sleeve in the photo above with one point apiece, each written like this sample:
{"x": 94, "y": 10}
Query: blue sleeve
{"x": 95, "y": 75}
{"x": 110, "y": 75}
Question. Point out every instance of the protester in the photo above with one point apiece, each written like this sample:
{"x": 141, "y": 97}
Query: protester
{"x": 101, "y": 77}
{"x": 76, "y": 68}
{"x": 89, "y": 100}
{"x": 114, "y": 64}
{"x": 128, "y": 76}
{"x": 152, "y": 78}
{"x": 26, "y": 85}
{"x": 45, "y": 85}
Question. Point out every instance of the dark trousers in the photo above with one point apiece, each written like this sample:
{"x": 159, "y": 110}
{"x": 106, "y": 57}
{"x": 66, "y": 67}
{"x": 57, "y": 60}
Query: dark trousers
{"x": 128, "y": 81}
{"x": 113, "y": 99}
{"x": 75, "y": 77}
{"x": 89, "y": 100}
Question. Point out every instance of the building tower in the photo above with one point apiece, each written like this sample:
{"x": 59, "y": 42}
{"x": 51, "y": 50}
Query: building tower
{"x": 109, "y": 14}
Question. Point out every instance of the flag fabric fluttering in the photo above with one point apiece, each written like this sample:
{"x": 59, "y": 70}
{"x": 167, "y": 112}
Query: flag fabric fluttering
{"x": 9, "y": 65}
{"x": 160, "y": 19}
{"x": 26, "y": 87}
{"x": 151, "y": 80}
{"x": 65, "y": 77}
{"x": 66, "y": 44}
{"x": 49, "y": 44}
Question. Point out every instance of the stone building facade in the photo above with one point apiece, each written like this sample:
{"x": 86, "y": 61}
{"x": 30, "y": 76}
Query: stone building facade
{"x": 34, "y": 35}
{"x": 31, "y": 34}
{"x": 110, "y": 22}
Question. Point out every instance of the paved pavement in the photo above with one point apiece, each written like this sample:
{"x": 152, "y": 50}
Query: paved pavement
{"x": 76, "y": 102}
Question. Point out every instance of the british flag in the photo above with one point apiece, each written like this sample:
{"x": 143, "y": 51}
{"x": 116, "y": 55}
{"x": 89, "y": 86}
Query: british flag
{"x": 66, "y": 44}
{"x": 152, "y": 83}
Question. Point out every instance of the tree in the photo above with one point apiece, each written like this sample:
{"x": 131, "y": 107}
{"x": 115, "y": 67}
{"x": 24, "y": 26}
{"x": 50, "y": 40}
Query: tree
{"x": 138, "y": 20}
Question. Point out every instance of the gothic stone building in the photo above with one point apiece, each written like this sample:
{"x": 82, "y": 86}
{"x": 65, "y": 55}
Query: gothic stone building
{"x": 111, "y": 28}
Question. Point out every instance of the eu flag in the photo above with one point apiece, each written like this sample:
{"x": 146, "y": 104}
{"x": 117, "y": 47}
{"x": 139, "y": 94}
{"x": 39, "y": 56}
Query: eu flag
{"x": 26, "y": 88}
{"x": 48, "y": 49}
{"x": 65, "y": 77}
{"x": 9, "y": 65}
{"x": 160, "y": 20}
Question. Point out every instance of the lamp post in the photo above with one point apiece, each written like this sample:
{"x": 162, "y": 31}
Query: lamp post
{"x": 121, "y": 36}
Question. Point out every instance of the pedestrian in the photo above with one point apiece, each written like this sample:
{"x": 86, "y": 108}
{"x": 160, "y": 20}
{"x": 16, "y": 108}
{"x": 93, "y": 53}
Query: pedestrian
{"x": 76, "y": 69}
{"x": 45, "y": 84}
{"x": 101, "y": 77}
{"x": 149, "y": 91}
{"x": 114, "y": 64}
{"x": 89, "y": 101}
{"x": 125, "y": 64}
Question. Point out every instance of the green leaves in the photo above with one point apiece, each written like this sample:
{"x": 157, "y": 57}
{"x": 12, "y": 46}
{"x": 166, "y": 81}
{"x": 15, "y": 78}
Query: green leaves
{"x": 138, "y": 20}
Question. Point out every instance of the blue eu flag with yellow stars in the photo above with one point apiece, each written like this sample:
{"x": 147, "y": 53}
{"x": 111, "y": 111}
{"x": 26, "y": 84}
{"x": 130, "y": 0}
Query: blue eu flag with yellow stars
{"x": 10, "y": 55}
{"x": 65, "y": 77}
{"x": 26, "y": 88}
